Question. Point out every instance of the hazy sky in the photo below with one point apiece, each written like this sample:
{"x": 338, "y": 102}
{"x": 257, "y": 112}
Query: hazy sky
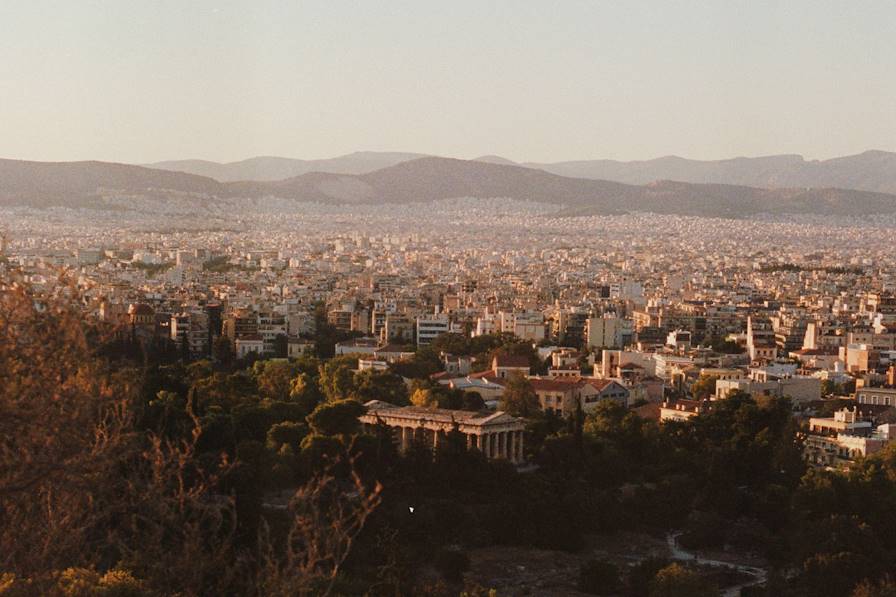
{"x": 147, "y": 80}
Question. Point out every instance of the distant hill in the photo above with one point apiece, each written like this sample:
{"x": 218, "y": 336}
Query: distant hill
{"x": 86, "y": 184}
{"x": 868, "y": 171}
{"x": 495, "y": 159}
{"x": 274, "y": 168}
{"x": 429, "y": 179}
{"x": 83, "y": 183}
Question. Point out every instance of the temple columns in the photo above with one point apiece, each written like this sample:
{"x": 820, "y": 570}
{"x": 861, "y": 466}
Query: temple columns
{"x": 406, "y": 438}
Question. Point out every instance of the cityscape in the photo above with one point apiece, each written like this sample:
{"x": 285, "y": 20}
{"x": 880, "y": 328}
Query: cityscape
{"x": 418, "y": 373}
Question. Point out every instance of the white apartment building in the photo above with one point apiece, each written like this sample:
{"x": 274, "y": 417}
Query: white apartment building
{"x": 607, "y": 332}
{"x": 527, "y": 325}
{"x": 431, "y": 326}
{"x": 487, "y": 324}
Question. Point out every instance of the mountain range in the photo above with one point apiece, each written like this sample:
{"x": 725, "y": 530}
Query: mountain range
{"x": 275, "y": 168}
{"x": 868, "y": 171}
{"x": 76, "y": 184}
{"x": 87, "y": 184}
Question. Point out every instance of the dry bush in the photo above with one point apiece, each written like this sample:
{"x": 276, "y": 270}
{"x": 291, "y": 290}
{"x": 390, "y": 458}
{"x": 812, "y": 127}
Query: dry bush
{"x": 64, "y": 422}
{"x": 82, "y": 489}
{"x": 175, "y": 530}
{"x": 327, "y": 514}
{"x": 79, "y": 486}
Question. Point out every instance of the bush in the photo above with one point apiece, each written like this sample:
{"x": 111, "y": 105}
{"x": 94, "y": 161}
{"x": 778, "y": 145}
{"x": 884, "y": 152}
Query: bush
{"x": 704, "y": 530}
{"x": 451, "y": 564}
{"x": 677, "y": 581}
{"x": 641, "y": 575}
{"x": 598, "y": 578}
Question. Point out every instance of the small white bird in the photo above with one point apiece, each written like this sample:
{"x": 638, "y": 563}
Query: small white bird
{"x": 411, "y": 508}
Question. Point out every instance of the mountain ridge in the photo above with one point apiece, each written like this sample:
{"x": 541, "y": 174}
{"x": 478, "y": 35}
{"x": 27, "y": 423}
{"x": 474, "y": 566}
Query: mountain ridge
{"x": 80, "y": 184}
{"x": 872, "y": 170}
{"x": 272, "y": 168}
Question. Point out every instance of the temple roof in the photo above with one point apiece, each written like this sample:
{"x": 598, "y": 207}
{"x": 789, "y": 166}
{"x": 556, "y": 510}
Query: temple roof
{"x": 441, "y": 415}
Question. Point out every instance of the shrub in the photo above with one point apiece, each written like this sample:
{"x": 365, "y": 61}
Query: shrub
{"x": 598, "y": 578}
{"x": 451, "y": 564}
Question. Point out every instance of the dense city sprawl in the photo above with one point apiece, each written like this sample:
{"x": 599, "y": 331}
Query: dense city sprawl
{"x": 715, "y": 394}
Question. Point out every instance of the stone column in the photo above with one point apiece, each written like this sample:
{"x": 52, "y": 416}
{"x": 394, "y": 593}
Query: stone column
{"x": 486, "y": 444}
{"x": 521, "y": 455}
{"x": 469, "y": 438}
{"x": 405, "y": 438}
{"x": 435, "y": 439}
{"x": 511, "y": 446}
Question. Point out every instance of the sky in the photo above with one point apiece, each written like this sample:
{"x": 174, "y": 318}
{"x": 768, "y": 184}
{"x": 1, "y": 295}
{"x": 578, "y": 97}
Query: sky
{"x": 141, "y": 81}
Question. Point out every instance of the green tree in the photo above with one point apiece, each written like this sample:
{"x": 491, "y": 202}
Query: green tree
{"x": 451, "y": 564}
{"x": 519, "y": 398}
{"x": 424, "y": 397}
{"x": 287, "y": 433}
{"x": 472, "y": 401}
{"x": 457, "y": 344}
{"x": 642, "y": 574}
{"x": 185, "y": 354}
{"x": 337, "y": 377}
{"x": 336, "y": 418}
{"x": 275, "y": 378}
{"x": 704, "y": 387}
{"x": 424, "y": 363}
{"x": 380, "y": 385}
{"x": 305, "y": 392}
{"x": 599, "y": 578}
{"x": 835, "y": 575}
{"x": 223, "y": 353}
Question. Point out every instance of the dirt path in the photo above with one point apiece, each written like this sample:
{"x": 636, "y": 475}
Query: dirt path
{"x": 679, "y": 553}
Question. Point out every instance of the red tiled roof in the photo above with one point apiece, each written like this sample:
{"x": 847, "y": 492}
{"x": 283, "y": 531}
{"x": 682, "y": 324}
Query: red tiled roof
{"x": 599, "y": 384}
{"x": 489, "y": 376}
{"x": 651, "y": 410}
{"x": 504, "y": 360}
